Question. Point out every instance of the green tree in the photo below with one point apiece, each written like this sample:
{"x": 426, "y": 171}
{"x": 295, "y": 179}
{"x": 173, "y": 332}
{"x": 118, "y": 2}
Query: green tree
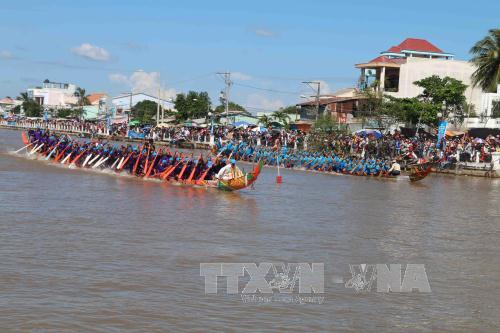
{"x": 281, "y": 117}
{"x": 438, "y": 90}
{"x": 486, "y": 57}
{"x": 265, "y": 120}
{"x": 291, "y": 109}
{"x": 30, "y": 106}
{"x": 410, "y": 110}
{"x": 64, "y": 113}
{"x": 193, "y": 105}
{"x": 232, "y": 107}
{"x": 370, "y": 106}
{"x": 325, "y": 123}
{"x": 145, "y": 111}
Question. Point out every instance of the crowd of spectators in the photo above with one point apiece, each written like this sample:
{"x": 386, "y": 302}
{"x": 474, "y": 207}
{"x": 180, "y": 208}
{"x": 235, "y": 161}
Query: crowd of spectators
{"x": 450, "y": 150}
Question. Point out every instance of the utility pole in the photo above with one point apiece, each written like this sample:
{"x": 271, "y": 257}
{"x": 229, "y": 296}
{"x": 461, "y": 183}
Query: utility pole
{"x": 129, "y": 112}
{"x": 228, "y": 82}
{"x": 317, "y": 90}
{"x": 163, "y": 111}
{"x": 158, "y": 108}
{"x": 158, "y": 102}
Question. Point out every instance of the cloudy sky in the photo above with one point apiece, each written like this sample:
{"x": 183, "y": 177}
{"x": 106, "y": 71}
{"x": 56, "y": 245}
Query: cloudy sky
{"x": 269, "y": 46}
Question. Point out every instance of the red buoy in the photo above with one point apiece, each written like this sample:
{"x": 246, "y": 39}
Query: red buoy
{"x": 279, "y": 180}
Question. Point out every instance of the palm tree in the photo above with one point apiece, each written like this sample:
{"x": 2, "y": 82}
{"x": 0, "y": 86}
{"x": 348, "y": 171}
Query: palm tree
{"x": 281, "y": 117}
{"x": 30, "y": 106}
{"x": 486, "y": 57}
{"x": 265, "y": 120}
{"x": 24, "y": 97}
{"x": 82, "y": 99}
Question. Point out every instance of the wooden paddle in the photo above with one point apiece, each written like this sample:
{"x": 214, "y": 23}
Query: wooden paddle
{"x": 152, "y": 165}
{"x": 172, "y": 168}
{"x": 137, "y": 161}
{"x": 124, "y": 162}
{"x": 25, "y": 147}
{"x": 179, "y": 177}
{"x": 52, "y": 151}
{"x": 58, "y": 156}
{"x": 202, "y": 177}
{"x": 145, "y": 167}
{"x": 191, "y": 175}
{"x": 168, "y": 168}
{"x": 78, "y": 157}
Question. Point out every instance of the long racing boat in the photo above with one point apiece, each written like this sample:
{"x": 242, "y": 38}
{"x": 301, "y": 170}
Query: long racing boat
{"x": 144, "y": 162}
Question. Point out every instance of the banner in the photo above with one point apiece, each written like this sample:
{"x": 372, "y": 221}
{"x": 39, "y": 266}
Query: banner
{"x": 135, "y": 135}
{"x": 441, "y": 131}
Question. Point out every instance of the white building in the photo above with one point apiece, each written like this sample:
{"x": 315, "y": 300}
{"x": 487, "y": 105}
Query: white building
{"x": 395, "y": 71}
{"x": 54, "y": 94}
{"x": 484, "y": 112}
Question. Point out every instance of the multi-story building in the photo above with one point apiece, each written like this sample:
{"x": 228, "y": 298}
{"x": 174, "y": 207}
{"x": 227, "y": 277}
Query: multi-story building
{"x": 54, "y": 94}
{"x": 395, "y": 71}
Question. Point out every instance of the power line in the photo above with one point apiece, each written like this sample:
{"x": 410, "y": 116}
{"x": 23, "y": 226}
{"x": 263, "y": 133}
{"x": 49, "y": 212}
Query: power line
{"x": 267, "y": 89}
{"x": 326, "y": 78}
{"x": 192, "y": 79}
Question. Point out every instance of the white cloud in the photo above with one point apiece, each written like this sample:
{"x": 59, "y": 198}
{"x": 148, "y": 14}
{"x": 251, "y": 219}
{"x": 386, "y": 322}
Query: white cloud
{"x": 240, "y": 76}
{"x": 324, "y": 87}
{"x": 259, "y": 103}
{"x": 264, "y": 33}
{"x": 91, "y": 52}
{"x": 118, "y": 78}
{"x": 4, "y": 54}
{"x": 143, "y": 82}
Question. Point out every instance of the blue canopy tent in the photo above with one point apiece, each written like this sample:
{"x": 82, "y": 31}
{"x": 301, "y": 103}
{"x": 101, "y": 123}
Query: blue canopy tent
{"x": 368, "y": 132}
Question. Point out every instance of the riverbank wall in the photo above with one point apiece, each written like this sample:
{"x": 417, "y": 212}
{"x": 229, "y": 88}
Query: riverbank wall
{"x": 83, "y": 134}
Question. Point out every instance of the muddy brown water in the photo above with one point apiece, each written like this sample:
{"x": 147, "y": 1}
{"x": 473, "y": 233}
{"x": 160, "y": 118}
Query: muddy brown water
{"x": 91, "y": 252}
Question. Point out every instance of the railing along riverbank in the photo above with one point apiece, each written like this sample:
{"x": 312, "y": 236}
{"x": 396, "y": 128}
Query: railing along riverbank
{"x": 194, "y": 142}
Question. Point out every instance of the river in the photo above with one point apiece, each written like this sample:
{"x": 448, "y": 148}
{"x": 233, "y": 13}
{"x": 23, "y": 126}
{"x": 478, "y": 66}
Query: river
{"x": 93, "y": 252}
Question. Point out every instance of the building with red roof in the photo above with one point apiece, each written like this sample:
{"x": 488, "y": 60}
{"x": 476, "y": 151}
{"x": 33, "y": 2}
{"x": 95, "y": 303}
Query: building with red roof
{"x": 95, "y": 98}
{"x": 393, "y": 73}
{"x": 387, "y": 66}
{"x": 7, "y": 104}
{"x": 415, "y": 47}
{"x": 395, "y": 70}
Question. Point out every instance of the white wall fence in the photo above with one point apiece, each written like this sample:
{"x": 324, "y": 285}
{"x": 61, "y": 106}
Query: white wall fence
{"x": 97, "y": 130}
{"x": 62, "y": 127}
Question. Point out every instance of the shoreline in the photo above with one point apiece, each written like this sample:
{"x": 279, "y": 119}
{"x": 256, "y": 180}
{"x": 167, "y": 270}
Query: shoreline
{"x": 459, "y": 170}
